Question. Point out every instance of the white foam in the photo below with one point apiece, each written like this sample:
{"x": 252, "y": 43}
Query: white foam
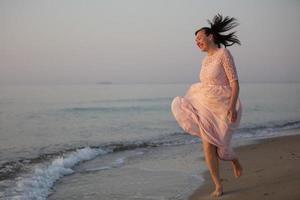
{"x": 119, "y": 162}
{"x": 98, "y": 169}
{"x": 38, "y": 184}
{"x": 267, "y": 133}
{"x": 140, "y": 153}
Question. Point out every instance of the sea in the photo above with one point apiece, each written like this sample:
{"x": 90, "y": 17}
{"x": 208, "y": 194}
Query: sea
{"x": 47, "y": 130}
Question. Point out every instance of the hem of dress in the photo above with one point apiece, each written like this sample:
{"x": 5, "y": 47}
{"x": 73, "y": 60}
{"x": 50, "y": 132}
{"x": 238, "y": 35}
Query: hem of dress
{"x": 223, "y": 159}
{"x": 227, "y": 159}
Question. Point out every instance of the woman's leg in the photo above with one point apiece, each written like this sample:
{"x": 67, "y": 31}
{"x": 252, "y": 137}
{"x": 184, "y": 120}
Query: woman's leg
{"x": 210, "y": 152}
{"x": 237, "y": 168}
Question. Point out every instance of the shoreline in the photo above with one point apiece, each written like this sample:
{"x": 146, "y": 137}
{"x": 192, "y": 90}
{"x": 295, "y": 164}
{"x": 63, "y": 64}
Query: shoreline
{"x": 180, "y": 172}
{"x": 271, "y": 170}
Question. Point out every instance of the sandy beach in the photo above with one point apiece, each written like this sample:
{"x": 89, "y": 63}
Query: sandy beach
{"x": 271, "y": 171}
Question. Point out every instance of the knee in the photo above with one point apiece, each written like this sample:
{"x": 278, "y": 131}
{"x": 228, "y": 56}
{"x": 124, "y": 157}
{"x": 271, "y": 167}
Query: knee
{"x": 208, "y": 147}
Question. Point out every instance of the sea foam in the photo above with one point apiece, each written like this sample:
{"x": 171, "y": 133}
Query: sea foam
{"x": 37, "y": 185}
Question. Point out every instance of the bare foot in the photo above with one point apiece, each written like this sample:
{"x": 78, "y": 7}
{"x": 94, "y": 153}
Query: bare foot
{"x": 218, "y": 192}
{"x": 237, "y": 168}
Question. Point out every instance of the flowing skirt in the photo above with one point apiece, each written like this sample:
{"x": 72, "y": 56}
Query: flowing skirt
{"x": 203, "y": 112}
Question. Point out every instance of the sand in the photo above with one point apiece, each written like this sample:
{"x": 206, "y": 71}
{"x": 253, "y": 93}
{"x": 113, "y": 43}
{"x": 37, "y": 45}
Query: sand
{"x": 271, "y": 171}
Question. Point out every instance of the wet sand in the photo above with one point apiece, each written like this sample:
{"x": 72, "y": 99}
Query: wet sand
{"x": 271, "y": 171}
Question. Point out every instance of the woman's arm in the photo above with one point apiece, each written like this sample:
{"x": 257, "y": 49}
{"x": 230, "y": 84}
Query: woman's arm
{"x": 235, "y": 89}
{"x": 231, "y": 73}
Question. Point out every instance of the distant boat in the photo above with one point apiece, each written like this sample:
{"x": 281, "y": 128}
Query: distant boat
{"x": 104, "y": 82}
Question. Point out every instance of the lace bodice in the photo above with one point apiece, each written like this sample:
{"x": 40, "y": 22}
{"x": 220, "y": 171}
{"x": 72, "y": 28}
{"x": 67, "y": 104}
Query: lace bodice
{"x": 218, "y": 69}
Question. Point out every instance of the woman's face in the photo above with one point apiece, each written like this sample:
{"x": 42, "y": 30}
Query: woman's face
{"x": 203, "y": 41}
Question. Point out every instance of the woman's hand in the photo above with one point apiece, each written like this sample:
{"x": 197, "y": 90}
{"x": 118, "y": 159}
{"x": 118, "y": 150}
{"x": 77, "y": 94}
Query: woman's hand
{"x": 232, "y": 114}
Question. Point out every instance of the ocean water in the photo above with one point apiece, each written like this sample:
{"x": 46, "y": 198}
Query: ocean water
{"x": 45, "y": 130}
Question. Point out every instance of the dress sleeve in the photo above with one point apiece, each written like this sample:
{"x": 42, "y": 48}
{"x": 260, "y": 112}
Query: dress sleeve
{"x": 229, "y": 66}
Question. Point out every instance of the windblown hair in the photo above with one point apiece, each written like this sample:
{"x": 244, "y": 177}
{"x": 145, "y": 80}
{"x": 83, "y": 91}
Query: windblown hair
{"x": 220, "y": 25}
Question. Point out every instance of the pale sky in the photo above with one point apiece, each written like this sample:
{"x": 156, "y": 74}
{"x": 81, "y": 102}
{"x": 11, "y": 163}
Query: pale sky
{"x": 86, "y": 41}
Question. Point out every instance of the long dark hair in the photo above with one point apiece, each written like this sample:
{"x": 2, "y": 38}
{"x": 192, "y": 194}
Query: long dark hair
{"x": 220, "y": 25}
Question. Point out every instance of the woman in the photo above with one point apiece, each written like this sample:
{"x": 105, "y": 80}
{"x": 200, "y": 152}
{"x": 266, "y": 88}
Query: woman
{"x": 211, "y": 108}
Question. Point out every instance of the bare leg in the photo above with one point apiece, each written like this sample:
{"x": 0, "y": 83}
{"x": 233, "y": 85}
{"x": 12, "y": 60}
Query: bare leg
{"x": 237, "y": 168}
{"x": 212, "y": 162}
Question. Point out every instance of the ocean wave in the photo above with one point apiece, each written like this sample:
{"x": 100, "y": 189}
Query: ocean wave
{"x": 10, "y": 169}
{"x": 270, "y": 127}
{"x": 37, "y": 184}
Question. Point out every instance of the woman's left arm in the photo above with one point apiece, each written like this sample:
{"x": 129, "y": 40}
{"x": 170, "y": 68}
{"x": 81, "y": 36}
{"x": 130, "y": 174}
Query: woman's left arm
{"x": 235, "y": 89}
{"x": 231, "y": 73}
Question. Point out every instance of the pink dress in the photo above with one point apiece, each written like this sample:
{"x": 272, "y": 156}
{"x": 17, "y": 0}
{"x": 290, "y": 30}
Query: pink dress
{"x": 205, "y": 104}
